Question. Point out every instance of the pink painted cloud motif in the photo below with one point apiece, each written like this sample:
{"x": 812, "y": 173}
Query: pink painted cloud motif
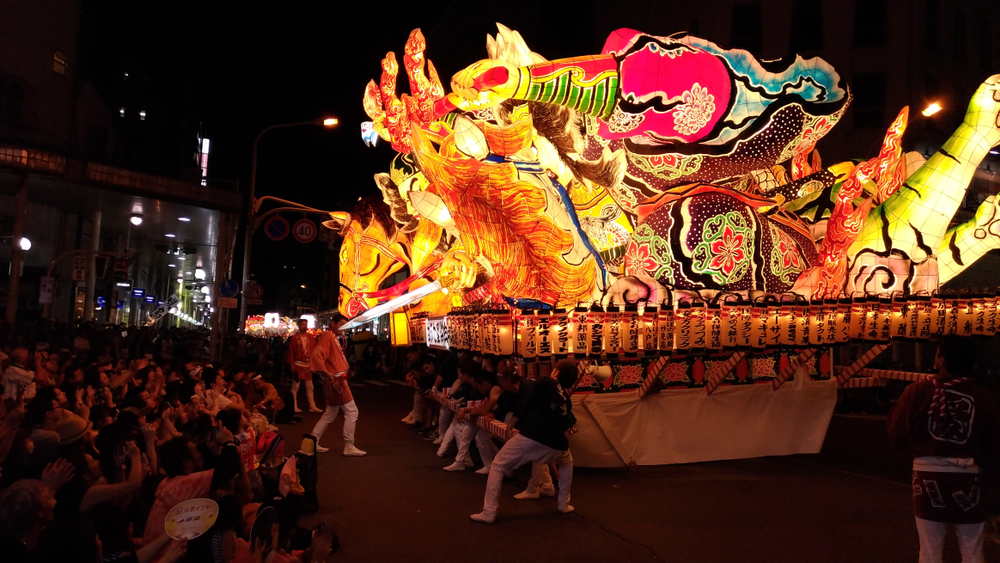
{"x": 727, "y": 251}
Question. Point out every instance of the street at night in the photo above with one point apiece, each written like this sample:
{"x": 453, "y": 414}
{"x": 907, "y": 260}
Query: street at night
{"x": 687, "y": 281}
{"x": 397, "y": 504}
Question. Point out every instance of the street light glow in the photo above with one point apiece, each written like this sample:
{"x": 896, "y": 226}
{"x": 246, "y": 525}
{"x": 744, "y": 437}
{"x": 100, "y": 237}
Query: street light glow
{"x": 330, "y": 122}
{"x": 199, "y": 273}
{"x": 931, "y": 109}
{"x": 25, "y": 244}
{"x": 170, "y": 235}
{"x": 136, "y": 219}
{"x": 184, "y": 219}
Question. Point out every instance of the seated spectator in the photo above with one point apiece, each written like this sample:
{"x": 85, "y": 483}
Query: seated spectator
{"x": 26, "y": 507}
{"x": 185, "y": 479}
{"x": 18, "y": 377}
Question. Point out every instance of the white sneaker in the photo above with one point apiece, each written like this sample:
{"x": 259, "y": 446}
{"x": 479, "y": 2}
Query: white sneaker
{"x": 457, "y": 466}
{"x": 484, "y": 470}
{"x": 321, "y": 450}
{"x": 569, "y": 508}
{"x": 351, "y": 451}
{"x": 437, "y": 441}
{"x": 482, "y": 517}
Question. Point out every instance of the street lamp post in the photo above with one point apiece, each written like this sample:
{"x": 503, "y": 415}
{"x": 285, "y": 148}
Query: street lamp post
{"x": 251, "y": 225}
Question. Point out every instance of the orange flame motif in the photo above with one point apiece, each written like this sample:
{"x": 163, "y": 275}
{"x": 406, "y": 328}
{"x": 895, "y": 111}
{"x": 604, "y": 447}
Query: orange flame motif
{"x": 888, "y": 171}
{"x": 392, "y": 116}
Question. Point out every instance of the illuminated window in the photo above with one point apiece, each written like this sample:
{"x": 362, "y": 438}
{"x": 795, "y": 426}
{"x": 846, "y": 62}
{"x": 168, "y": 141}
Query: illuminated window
{"x": 959, "y": 33}
{"x": 871, "y": 23}
{"x": 59, "y": 63}
{"x": 807, "y": 26}
{"x": 746, "y": 29}
{"x": 869, "y": 99}
{"x": 932, "y": 25}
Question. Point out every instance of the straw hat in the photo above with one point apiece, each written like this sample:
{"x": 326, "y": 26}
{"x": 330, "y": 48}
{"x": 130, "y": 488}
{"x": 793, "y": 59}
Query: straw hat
{"x": 71, "y": 428}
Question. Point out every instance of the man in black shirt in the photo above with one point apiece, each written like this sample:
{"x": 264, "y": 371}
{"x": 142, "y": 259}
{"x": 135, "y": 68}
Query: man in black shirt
{"x": 547, "y": 415}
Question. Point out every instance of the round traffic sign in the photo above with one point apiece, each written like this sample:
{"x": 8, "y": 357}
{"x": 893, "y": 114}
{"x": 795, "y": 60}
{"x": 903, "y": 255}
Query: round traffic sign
{"x": 304, "y": 231}
{"x": 229, "y": 288}
{"x": 276, "y": 228}
{"x": 254, "y": 290}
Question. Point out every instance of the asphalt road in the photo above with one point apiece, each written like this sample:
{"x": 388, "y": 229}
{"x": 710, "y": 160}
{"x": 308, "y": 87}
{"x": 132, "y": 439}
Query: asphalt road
{"x": 396, "y": 504}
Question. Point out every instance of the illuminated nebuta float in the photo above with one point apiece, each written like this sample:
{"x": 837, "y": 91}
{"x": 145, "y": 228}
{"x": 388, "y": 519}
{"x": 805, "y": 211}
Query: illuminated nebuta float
{"x": 659, "y": 211}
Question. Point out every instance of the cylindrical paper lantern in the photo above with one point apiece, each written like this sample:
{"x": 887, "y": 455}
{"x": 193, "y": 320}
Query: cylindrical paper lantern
{"x": 990, "y": 305}
{"x": 596, "y": 331}
{"x": 648, "y": 333}
{"x": 772, "y": 330}
{"x": 966, "y": 310}
{"x": 925, "y": 310}
{"x": 665, "y": 327}
{"x": 817, "y": 323}
{"x": 698, "y": 333}
{"x": 857, "y": 318}
{"x": 559, "y": 333}
{"x": 884, "y": 318}
{"x": 682, "y": 325}
{"x": 527, "y": 347}
{"x": 979, "y": 315}
{"x": 612, "y": 330}
{"x": 803, "y": 313}
{"x": 787, "y": 326}
{"x": 729, "y": 321}
{"x": 505, "y": 333}
{"x": 845, "y": 308}
{"x": 939, "y": 315}
{"x": 832, "y": 327}
{"x": 758, "y": 325}
{"x": 630, "y": 329}
{"x": 713, "y": 326}
{"x": 581, "y": 332}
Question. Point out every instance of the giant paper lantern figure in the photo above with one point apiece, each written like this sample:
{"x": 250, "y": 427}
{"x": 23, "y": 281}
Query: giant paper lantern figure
{"x": 655, "y": 166}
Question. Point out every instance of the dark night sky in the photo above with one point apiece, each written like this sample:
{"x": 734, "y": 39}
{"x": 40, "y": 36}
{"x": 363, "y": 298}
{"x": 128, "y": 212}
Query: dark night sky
{"x": 237, "y": 69}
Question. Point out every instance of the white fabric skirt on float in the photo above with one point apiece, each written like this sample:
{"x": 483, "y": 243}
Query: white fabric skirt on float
{"x": 689, "y": 425}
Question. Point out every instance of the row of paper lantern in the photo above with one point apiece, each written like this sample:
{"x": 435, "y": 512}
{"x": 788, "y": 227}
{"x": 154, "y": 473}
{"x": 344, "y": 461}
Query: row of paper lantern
{"x": 729, "y": 323}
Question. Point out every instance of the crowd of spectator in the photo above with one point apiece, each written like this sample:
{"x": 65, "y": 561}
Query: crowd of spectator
{"x": 105, "y": 428}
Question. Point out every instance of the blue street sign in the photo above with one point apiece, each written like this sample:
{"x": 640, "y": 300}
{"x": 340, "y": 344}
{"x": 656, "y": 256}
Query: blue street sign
{"x": 138, "y": 293}
{"x": 101, "y": 301}
{"x": 150, "y": 299}
{"x": 229, "y": 288}
{"x": 158, "y": 303}
{"x": 121, "y": 304}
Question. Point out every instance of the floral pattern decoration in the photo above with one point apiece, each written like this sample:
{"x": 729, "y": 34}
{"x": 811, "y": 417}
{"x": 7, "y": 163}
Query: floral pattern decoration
{"x": 649, "y": 254}
{"x": 696, "y": 111}
{"x": 724, "y": 252}
{"x": 786, "y": 263}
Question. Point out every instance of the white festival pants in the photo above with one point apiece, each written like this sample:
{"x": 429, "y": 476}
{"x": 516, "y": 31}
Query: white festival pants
{"x": 970, "y": 540}
{"x": 515, "y": 453}
{"x": 444, "y": 418}
{"x": 330, "y": 414}
{"x": 465, "y": 433}
{"x": 308, "y": 384}
{"x": 449, "y": 434}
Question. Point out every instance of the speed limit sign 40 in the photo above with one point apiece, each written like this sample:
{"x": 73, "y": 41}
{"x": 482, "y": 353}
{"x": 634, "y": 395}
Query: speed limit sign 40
{"x": 304, "y": 230}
